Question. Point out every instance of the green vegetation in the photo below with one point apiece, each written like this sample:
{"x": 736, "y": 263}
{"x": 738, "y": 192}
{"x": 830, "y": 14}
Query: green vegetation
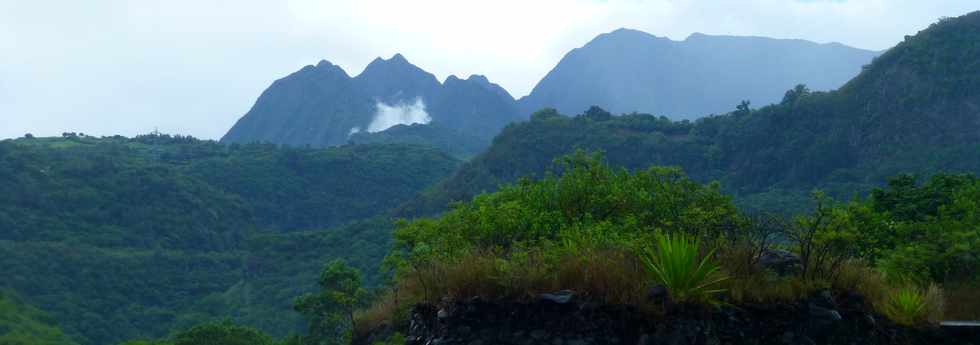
{"x": 215, "y": 333}
{"x": 119, "y": 238}
{"x": 331, "y": 310}
{"x": 593, "y": 229}
{"x": 23, "y": 324}
{"x": 911, "y": 306}
{"x": 678, "y": 264}
{"x": 913, "y": 110}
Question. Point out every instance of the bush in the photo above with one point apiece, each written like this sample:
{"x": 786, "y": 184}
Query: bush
{"x": 678, "y": 264}
{"x": 221, "y": 333}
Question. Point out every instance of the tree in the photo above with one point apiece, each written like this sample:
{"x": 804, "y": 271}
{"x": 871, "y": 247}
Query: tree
{"x": 597, "y": 114}
{"x": 824, "y": 239}
{"x": 221, "y": 333}
{"x": 331, "y": 310}
{"x": 795, "y": 94}
{"x": 743, "y": 108}
{"x": 544, "y": 114}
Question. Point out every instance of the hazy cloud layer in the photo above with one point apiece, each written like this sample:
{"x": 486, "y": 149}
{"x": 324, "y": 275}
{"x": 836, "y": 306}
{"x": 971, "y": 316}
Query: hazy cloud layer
{"x": 388, "y": 116}
{"x": 194, "y": 66}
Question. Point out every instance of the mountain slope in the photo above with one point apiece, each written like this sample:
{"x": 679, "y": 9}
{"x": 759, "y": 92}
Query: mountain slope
{"x": 628, "y": 70}
{"x": 914, "y": 109}
{"x": 322, "y": 106}
{"x": 317, "y": 106}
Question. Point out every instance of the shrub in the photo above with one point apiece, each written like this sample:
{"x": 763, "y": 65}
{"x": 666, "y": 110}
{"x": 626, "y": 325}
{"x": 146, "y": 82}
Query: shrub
{"x": 678, "y": 264}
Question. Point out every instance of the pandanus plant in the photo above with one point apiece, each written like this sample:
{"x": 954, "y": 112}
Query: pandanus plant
{"x": 677, "y": 263}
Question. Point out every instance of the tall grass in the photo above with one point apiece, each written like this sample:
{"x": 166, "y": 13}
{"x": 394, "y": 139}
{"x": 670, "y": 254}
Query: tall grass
{"x": 677, "y": 263}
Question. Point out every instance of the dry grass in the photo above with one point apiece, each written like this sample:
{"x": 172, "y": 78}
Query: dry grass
{"x": 962, "y": 301}
{"x": 857, "y": 276}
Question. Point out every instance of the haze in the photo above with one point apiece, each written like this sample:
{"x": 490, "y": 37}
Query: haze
{"x": 107, "y": 67}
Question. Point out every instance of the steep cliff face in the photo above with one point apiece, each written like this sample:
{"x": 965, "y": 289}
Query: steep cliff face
{"x": 554, "y": 320}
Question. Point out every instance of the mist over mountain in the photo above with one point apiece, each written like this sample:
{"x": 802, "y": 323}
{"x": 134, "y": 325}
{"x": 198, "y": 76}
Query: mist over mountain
{"x": 322, "y": 106}
{"x": 632, "y": 71}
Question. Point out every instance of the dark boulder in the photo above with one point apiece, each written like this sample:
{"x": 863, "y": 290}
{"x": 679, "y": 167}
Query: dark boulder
{"x": 781, "y": 262}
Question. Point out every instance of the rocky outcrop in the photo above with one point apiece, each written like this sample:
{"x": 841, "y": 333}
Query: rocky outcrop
{"x": 563, "y": 319}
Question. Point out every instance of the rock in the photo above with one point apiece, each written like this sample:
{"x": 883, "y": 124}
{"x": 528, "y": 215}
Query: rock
{"x": 560, "y": 297}
{"x": 824, "y": 314}
{"x": 788, "y": 338}
{"x": 539, "y": 334}
{"x": 658, "y": 294}
{"x": 782, "y": 262}
{"x": 442, "y": 314}
{"x": 644, "y": 340}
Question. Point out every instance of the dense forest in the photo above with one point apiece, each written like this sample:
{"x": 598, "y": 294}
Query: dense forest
{"x": 118, "y": 238}
{"x": 607, "y": 234}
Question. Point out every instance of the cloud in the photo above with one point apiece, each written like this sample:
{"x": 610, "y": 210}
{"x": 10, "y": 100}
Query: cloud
{"x": 388, "y": 116}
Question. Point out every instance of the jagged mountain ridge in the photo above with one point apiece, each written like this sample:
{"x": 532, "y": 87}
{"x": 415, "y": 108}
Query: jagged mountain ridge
{"x": 322, "y": 106}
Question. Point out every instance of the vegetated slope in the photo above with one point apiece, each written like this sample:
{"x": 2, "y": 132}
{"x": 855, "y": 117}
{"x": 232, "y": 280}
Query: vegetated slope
{"x": 445, "y": 139}
{"x": 120, "y": 238}
{"x": 322, "y": 106}
{"x": 628, "y": 70}
{"x": 21, "y": 323}
{"x": 914, "y": 109}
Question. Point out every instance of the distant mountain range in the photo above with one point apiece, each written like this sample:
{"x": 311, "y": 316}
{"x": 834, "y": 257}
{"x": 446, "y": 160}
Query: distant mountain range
{"x": 623, "y": 71}
{"x": 632, "y": 71}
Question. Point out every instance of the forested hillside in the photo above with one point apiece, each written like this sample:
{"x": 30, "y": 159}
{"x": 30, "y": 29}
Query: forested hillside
{"x": 119, "y": 238}
{"x": 915, "y": 109}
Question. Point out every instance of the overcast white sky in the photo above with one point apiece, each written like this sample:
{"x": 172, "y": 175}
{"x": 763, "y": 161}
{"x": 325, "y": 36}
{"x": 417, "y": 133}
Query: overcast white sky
{"x": 106, "y": 67}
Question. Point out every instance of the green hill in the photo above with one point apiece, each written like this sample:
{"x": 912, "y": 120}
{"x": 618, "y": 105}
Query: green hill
{"x": 915, "y": 109}
{"x": 23, "y": 324}
{"x": 122, "y": 238}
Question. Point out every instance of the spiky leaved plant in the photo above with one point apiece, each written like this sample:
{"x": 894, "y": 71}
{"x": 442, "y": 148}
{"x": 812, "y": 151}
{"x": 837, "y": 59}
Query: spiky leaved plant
{"x": 911, "y": 305}
{"x": 677, "y": 263}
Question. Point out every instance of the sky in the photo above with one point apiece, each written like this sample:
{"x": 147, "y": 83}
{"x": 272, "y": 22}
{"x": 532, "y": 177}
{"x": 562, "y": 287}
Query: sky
{"x": 193, "y": 67}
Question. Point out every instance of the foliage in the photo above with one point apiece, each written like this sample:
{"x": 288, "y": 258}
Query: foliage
{"x": 823, "y": 239}
{"x": 913, "y": 306}
{"x": 23, "y": 324}
{"x": 221, "y": 333}
{"x": 161, "y": 232}
{"x": 330, "y": 311}
{"x": 677, "y": 263}
{"x": 585, "y": 226}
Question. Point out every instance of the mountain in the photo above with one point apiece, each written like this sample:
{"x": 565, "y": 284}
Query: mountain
{"x": 322, "y": 106}
{"x": 119, "y": 238}
{"x": 631, "y": 71}
{"x": 914, "y": 109}
{"x": 316, "y": 106}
